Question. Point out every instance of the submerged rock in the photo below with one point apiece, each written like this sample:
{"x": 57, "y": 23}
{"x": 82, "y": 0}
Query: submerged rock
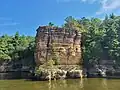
{"x": 61, "y": 74}
{"x": 75, "y": 74}
{"x": 48, "y": 75}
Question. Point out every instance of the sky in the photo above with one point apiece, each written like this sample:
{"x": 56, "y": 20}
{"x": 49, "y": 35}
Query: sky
{"x": 25, "y": 16}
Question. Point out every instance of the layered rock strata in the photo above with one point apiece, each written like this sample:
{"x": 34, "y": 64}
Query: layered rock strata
{"x": 58, "y": 44}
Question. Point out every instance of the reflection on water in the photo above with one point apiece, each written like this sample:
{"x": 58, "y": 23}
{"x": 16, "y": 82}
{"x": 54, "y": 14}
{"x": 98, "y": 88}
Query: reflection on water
{"x": 74, "y": 84}
{"x": 104, "y": 84}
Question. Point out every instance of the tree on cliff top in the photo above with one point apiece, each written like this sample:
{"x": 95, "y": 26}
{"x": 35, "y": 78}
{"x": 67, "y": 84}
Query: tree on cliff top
{"x": 50, "y": 24}
{"x": 73, "y": 24}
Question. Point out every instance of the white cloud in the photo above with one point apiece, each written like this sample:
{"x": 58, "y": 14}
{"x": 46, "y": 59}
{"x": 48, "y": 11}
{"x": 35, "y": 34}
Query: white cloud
{"x": 5, "y": 18}
{"x": 90, "y": 1}
{"x": 83, "y": 0}
{"x": 66, "y": 1}
{"x": 9, "y": 24}
{"x": 105, "y": 5}
{"x": 108, "y": 5}
{"x": 5, "y": 21}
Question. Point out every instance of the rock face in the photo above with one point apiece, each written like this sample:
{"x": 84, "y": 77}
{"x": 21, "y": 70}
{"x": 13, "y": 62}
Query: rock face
{"x": 105, "y": 69}
{"x": 58, "y": 72}
{"x": 58, "y": 44}
{"x": 9, "y": 71}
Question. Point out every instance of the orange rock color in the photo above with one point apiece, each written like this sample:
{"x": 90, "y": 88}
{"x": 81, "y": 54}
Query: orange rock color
{"x": 59, "y": 44}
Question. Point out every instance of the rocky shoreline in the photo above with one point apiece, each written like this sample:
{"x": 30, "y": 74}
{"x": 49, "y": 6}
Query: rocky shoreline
{"x": 48, "y": 74}
{"x": 58, "y": 72}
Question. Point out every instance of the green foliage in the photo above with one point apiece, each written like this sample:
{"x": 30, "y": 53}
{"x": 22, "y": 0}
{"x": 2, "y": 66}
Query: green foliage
{"x": 50, "y": 63}
{"x": 50, "y": 24}
{"x": 56, "y": 59}
{"x": 73, "y": 24}
{"x": 38, "y": 71}
{"x": 100, "y": 38}
{"x": 17, "y": 48}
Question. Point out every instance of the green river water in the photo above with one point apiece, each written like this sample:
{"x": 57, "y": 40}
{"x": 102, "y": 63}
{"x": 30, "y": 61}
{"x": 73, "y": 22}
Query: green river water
{"x": 74, "y": 84}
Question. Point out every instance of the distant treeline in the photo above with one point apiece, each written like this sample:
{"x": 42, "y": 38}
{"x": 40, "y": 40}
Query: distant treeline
{"x": 17, "y": 48}
{"x": 100, "y": 40}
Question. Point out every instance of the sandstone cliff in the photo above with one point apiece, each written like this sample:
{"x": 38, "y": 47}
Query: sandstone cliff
{"x": 58, "y": 44}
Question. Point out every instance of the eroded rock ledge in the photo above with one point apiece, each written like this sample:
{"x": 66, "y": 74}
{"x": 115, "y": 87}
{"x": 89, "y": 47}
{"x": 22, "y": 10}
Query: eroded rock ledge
{"x": 58, "y": 72}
